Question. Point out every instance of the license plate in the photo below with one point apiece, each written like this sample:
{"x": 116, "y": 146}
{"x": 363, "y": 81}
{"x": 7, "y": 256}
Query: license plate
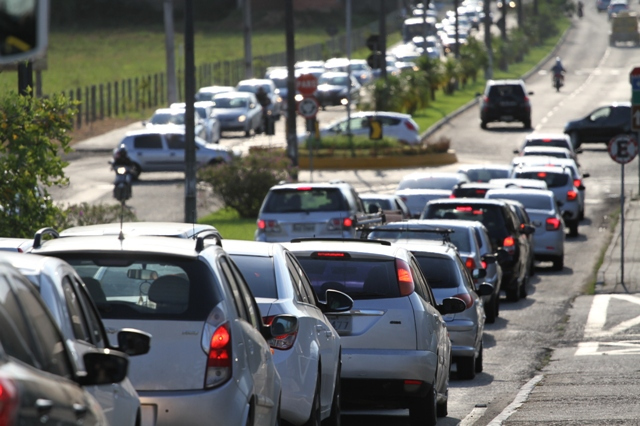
{"x": 507, "y": 104}
{"x": 304, "y": 227}
{"x": 506, "y": 117}
{"x": 341, "y": 323}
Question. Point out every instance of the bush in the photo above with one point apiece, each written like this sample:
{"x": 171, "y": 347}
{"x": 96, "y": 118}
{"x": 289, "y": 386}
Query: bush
{"x": 87, "y": 214}
{"x": 244, "y": 182}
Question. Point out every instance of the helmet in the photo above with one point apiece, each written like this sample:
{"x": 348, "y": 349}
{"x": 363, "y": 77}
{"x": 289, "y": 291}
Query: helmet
{"x": 558, "y": 59}
{"x": 120, "y": 153}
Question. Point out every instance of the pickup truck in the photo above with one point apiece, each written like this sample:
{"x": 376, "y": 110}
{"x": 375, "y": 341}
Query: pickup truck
{"x": 624, "y": 28}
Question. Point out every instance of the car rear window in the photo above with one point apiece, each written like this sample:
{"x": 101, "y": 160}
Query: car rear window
{"x": 491, "y": 216}
{"x": 464, "y": 192}
{"x": 553, "y": 180}
{"x": 440, "y": 272}
{"x": 432, "y": 182}
{"x": 506, "y": 91}
{"x": 530, "y": 202}
{"x": 359, "y": 278}
{"x": 554, "y": 154}
{"x": 485, "y": 175}
{"x": 560, "y": 143}
{"x": 460, "y": 238}
{"x": 384, "y": 204}
{"x": 259, "y": 273}
{"x": 304, "y": 199}
{"x": 148, "y": 287}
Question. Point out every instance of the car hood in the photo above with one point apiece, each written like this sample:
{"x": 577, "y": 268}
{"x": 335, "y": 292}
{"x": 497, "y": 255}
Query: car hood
{"x": 230, "y": 112}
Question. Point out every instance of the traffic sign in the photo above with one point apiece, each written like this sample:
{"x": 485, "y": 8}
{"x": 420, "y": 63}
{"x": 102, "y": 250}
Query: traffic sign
{"x": 634, "y": 79}
{"x": 623, "y": 148}
{"x": 306, "y": 84}
{"x": 635, "y": 117}
{"x": 308, "y": 107}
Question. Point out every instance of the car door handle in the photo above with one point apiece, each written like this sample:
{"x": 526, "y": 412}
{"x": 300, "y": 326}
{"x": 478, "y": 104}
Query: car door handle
{"x": 44, "y": 406}
{"x": 80, "y": 410}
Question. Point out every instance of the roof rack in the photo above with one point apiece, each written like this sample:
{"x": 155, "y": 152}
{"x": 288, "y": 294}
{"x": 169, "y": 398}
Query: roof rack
{"x": 37, "y": 239}
{"x": 204, "y": 235}
{"x": 341, "y": 240}
{"x": 445, "y": 232}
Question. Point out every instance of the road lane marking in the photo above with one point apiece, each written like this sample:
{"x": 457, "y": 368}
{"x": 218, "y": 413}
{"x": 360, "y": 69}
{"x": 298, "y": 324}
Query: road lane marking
{"x": 473, "y": 416}
{"x": 594, "y": 328}
{"x": 627, "y": 347}
{"x": 520, "y": 399}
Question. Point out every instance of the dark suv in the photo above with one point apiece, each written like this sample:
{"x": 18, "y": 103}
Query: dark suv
{"x": 505, "y": 100}
{"x": 601, "y": 124}
{"x": 505, "y": 231}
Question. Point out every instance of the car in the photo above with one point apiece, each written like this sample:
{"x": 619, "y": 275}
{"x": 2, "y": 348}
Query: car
{"x": 238, "y": 111}
{"x": 68, "y": 299}
{"x": 486, "y": 172}
{"x": 279, "y": 76}
{"x": 395, "y": 348}
{"x": 208, "y": 92}
{"x": 308, "y": 64}
{"x": 337, "y": 88}
{"x": 417, "y": 188}
{"x": 395, "y": 125}
{"x": 309, "y": 361}
{"x": 391, "y": 205}
{"x": 506, "y": 101}
{"x": 162, "y": 149}
{"x": 297, "y": 210}
{"x": 472, "y": 189}
{"x": 503, "y": 227}
{"x": 602, "y": 5}
{"x": 252, "y": 85}
{"x": 38, "y": 381}
{"x": 560, "y": 181}
{"x": 520, "y": 183}
{"x": 20, "y": 245}
{"x": 210, "y": 357}
{"x": 542, "y": 208}
{"x": 466, "y": 236}
{"x": 600, "y": 125}
{"x": 551, "y": 151}
{"x": 560, "y": 140}
{"x": 174, "y": 117}
{"x": 617, "y": 6}
{"x": 359, "y": 68}
{"x": 204, "y": 110}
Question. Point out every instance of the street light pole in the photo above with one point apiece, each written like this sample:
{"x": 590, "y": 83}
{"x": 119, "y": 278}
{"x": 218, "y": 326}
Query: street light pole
{"x": 292, "y": 142}
{"x": 349, "y": 135}
{"x": 190, "y": 214}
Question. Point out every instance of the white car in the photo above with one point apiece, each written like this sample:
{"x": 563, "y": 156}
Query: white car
{"x": 309, "y": 360}
{"x": 174, "y": 117}
{"x": 417, "y": 189}
{"x": 551, "y": 151}
{"x": 69, "y": 302}
{"x": 254, "y": 84}
{"x": 204, "y": 111}
{"x": 208, "y": 92}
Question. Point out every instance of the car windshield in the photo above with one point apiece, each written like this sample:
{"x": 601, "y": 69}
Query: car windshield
{"x": 304, "y": 199}
{"x": 560, "y": 143}
{"x": 440, "y": 272}
{"x": 460, "y": 237}
{"x": 555, "y": 154}
{"x": 359, "y": 278}
{"x": 334, "y": 81}
{"x": 529, "y": 201}
{"x": 130, "y": 286}
{"x": 280, "y": 82}
{"x": 485, "y": 175}
{"x": 167, "y": 118}
{"x": 259, "y": 273}
{"x": 553, "y": 180}
{"x": 490, "y": 216}
{"x": 431, "y": 182}
{"x": 382, "y": 203}
{"x": 230, "y": 102}
{"x": 202, "y": 112}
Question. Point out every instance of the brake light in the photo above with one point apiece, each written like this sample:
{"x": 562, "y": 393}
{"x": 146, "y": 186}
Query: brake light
{"x": 329, "y": 254}
{"x": 546, "y": 140}
{"x": 9, "y": 402}
{"x": 261, "y": 224}
{"x": 304, "y": 188}
{"x": 339, "y": 223}
{"x": 470, "y": 263}
{"x": 452, "y": 195}
{"x": 405, "y": 279}
{"x": 283, "y": 341}
{"x": 552, "y": 224}
{"x": 484, "y": 264}
{"x": 466, "y": 298}
{"x": 481, "y": 191}
{"x": 219, "y": 357}
{"x": 577, "y": 183}
{"x": 464, "y": 209}
{"x": 571, "y": 195}
{"x": 485, "y": 99}
{"x": 410, "y": 126}
{"x": 542, "y": 175}
{"x": 347, "y": 222}
{"x": 509, "y": 244}
{"x": 268, "y": 225}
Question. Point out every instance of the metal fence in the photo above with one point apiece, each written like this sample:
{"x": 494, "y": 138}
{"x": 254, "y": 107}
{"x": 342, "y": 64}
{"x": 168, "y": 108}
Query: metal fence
{"x": 138, "y": 94}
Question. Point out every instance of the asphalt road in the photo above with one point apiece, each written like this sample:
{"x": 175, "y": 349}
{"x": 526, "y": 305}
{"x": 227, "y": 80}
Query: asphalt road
{"x": 535, "y": 337}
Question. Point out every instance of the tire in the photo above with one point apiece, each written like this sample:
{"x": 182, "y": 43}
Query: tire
{"x": 523, "y": 288}
{"x": 527, "y": 123}
{"x": 513, "y": 294}
{"x": 575, "y": 140}
{"x": 573, "y": 229}
{"x": 247, "y": 133}
{"x": 334, "y": 417}
{"x": 532, "y": 268}
{"x": 135, "y": 171}
{"x": 466, "y": 367}
{"x": 491, "y": 310}
{"x": 581, "y": 215}
{"x": 558, "y": 263}
{"x": 314, "y": 417}
{"x": 479, "y": 360}
{"x": 483, "y": 124}
{"x": 423, "y": 411}
{"x": 442, "y": 409}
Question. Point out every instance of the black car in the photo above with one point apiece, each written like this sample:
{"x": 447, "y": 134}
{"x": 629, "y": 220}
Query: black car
{"x": 505, "y": 100}
{"x": 334, "y": 88}
{"x": 601, "y": 124}
{"x": 505, "y": 232}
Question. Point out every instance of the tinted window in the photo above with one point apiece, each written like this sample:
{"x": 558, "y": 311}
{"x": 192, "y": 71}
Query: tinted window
{"x": 382, "y": 203}
{"x": 259, "y": 273}
{"x": 528, "y": 201}
{"x": 553, "y": 180}
{"x": 440, "y": 272}
{"x": 147, "y": 142}
{"x": 14, "y": 332}
{"x": 293, "y": 200}
{"x": 460, "y": 237}
{"x": 359, "y": 278}
{"x": 560, "y": 143}
{"x": 490, "y": 216}
{"x": 485, "y": 175}
{"x": 78, "y": 325}
{"x": 168, "y": 118}
{"x": 230, "y": 102}
{"x": 175, "y": 141}
{"x": 150, "y": 287}
{"x": 555, "y": 154}
{"x": 507, "y": 91}
{"x": 435, "y": 182}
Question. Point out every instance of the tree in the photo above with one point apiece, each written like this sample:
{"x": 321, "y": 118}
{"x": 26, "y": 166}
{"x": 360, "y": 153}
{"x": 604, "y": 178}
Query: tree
{"x": 434, "y": 73}
{"x": 33, "y": 134}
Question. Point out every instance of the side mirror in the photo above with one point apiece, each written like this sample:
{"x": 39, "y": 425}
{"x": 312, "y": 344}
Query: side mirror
{"x": 484, "y": 289}
{"x": 336, "y": 301}
{"x": 585, "y": 175}
{"x": 479, "y": 273}
{"x": 489, "y": 258}
{"x": 451, "y": 305}
{"x": 581, "y": 188}
{"x": 516, "y": 151}
{"x": 281, "y": 324}
{"x": 103, "y": 367}
{"x": 134, "y": 342}
{"x": 528, "y": 229}
{"x": 502, "y": 256}
{"x": 373, "y": 208}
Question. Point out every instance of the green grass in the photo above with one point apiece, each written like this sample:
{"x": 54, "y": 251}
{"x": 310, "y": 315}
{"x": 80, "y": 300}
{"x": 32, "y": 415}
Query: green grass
{"x": 230, "y": 224}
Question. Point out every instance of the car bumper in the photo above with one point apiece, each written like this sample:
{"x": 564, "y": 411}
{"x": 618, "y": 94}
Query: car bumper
{"x": 388, "y": 364}
{"x": 551, "y": 244}
{"x": 491, "y": 114}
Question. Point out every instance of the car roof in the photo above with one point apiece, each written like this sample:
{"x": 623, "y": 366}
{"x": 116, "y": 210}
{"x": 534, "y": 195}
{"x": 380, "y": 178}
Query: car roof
{"x": 174, "y": 111}
{"x": 251, "y": 248}
{"x": 536, "y": 136}
{"x": 427, "y": 246}
{"x": 334, "y": 74}
{"x": 255, "y": 82}
{"x": 233, "y": 95}
{"x": 483, "y": 201}
{"x": 177, "y": 129}
{"x": 485, "y": 167}
{"x": 164, "y": 229}
{"x": 28, "y": 261}
{"x": 312, "y": 185}
{"x": 517, "y": 182}
{"x": 364, "y": 247}
{"x": 216, "y": 89}
{"x": 521, "y": 191}
{"x": 546, "y": 149}
{"x": 505, "y": 82}
{"x": 423, "y": 175}
{"x": 379, "y": 196}
{"x": 433, "y": 223}
{"x": 543, "y": 168}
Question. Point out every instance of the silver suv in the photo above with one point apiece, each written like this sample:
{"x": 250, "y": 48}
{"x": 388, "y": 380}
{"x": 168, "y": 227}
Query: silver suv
{"x": 395, "y": 348}
{"x": 297, "y": 210}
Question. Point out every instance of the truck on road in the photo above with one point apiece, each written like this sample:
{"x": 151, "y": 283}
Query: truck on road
{"x": 624, "y": 28}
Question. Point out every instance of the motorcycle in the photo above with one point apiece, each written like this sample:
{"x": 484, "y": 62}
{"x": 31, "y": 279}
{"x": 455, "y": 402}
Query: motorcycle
{"x": 558, "y": 81}
{"x": 122, "y": 183}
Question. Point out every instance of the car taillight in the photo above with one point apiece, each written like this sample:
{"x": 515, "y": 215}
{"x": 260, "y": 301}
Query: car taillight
{"x": 268, "y": 225}
{"x": 405, "y": 279}
{"x": 509, "y": 244}
{"x": 410, "y": 126}
{"x": 9, "y": 402}
{"x": 485, "y": 99}
{"x": 552, "y": 224}
{"x": 339, "y": 223}
{"x": 470, "y": 263}
{"x": 577, "y": 183}
{"x": 403, "y": 198}
{"x": 466, "y": 298}
{"x": 219, "y": 357}
{"x": 571, "y": 195}
{"x": 484, "y": 264}
{"x": 452, "y": 195}
{"x": 283, "y": 341}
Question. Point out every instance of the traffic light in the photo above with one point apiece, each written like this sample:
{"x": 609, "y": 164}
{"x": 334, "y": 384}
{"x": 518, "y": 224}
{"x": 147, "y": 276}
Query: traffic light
{"x": 375, "y": 59}
{"x": 24, "y": 32}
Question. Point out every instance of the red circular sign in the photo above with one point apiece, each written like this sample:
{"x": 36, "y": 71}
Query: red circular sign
{"x": 306, "y": 84}
{"x": 308, "y": 107}
{"x": 623, "y": 148}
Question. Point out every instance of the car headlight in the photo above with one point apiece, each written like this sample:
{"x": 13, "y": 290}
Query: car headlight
{"x": 279, "y": 99}
{"x": 299, "y": 97}
{"x": 242, "y": 118}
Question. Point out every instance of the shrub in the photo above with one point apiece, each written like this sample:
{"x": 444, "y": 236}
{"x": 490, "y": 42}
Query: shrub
{"x": 87, "y": 214}
{"x": 244, "y": 182}
{"x": 441, "y": 145}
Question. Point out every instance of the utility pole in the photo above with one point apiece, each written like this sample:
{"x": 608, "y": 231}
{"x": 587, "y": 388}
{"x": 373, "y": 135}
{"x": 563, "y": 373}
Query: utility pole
{"x": 248, "y": 55}
{"x": 520, "y": 13}
{"x": 190, "y": 214}
{"x": 457, "y": 45}
{"x": 349, "y": 135}
{"x": 292, "y": 141}
{"x": 488, "y": 74}
{"x": 383, "y": 40}
{"x": 169, "y": 45}
{"x": 25, "y": 78}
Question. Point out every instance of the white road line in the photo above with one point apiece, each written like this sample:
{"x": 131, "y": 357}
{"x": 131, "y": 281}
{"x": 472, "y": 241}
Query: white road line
{"x": 627, "y": 347}
{"x": 520, "y": 399}
{"x": 473, "y": 416}
{"x": 597, "y": 316}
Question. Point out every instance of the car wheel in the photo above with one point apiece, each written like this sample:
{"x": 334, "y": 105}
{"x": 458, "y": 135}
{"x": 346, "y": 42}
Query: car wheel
{"x": 135, "y": 171}
{"x": 479, "y": 360}
{"x": 513, "y": 294}
{"x": 483, "y": 124}
{"x": 247, "y": 133}
{"x": 314, "y": 417}
{"x": 490, "y": 310}
{"x": 527, "y": 124}
{"x": 558, "y": 263}
{"x": 573, "y": 229}
{"x": 532, "y": 268}
{"x": 442, "y": 409}
{"x": 575, "y": 140}
{"x": 423, "y": 411}
{"x": 523, "y": 287}
{"x": 466, "y": 367}
{"x": 581, "y": 215}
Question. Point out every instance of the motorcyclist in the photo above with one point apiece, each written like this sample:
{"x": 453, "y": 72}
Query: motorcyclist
{"x": 580, "y": 6}
{"x": 263, "y": 97}
{"x": 122, "y": 184}
{"x": 558, "y": 70}
{"x": 121, "y": 157}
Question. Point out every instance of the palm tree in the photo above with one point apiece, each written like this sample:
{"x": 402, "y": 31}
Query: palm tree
{"x": 434, "y": 73}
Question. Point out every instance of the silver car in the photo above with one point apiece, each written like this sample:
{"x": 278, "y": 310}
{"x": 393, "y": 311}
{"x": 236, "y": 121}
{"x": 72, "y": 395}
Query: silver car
{"x": 174, "y": 116}
{"x": 238, "y": 111}
{"x": 395, "y": 347}
{"x": 417, "y": 189}
{"x": 209, "y": 358}
{"x": 210, "y": 123}
{"x": 542, "y": 208}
